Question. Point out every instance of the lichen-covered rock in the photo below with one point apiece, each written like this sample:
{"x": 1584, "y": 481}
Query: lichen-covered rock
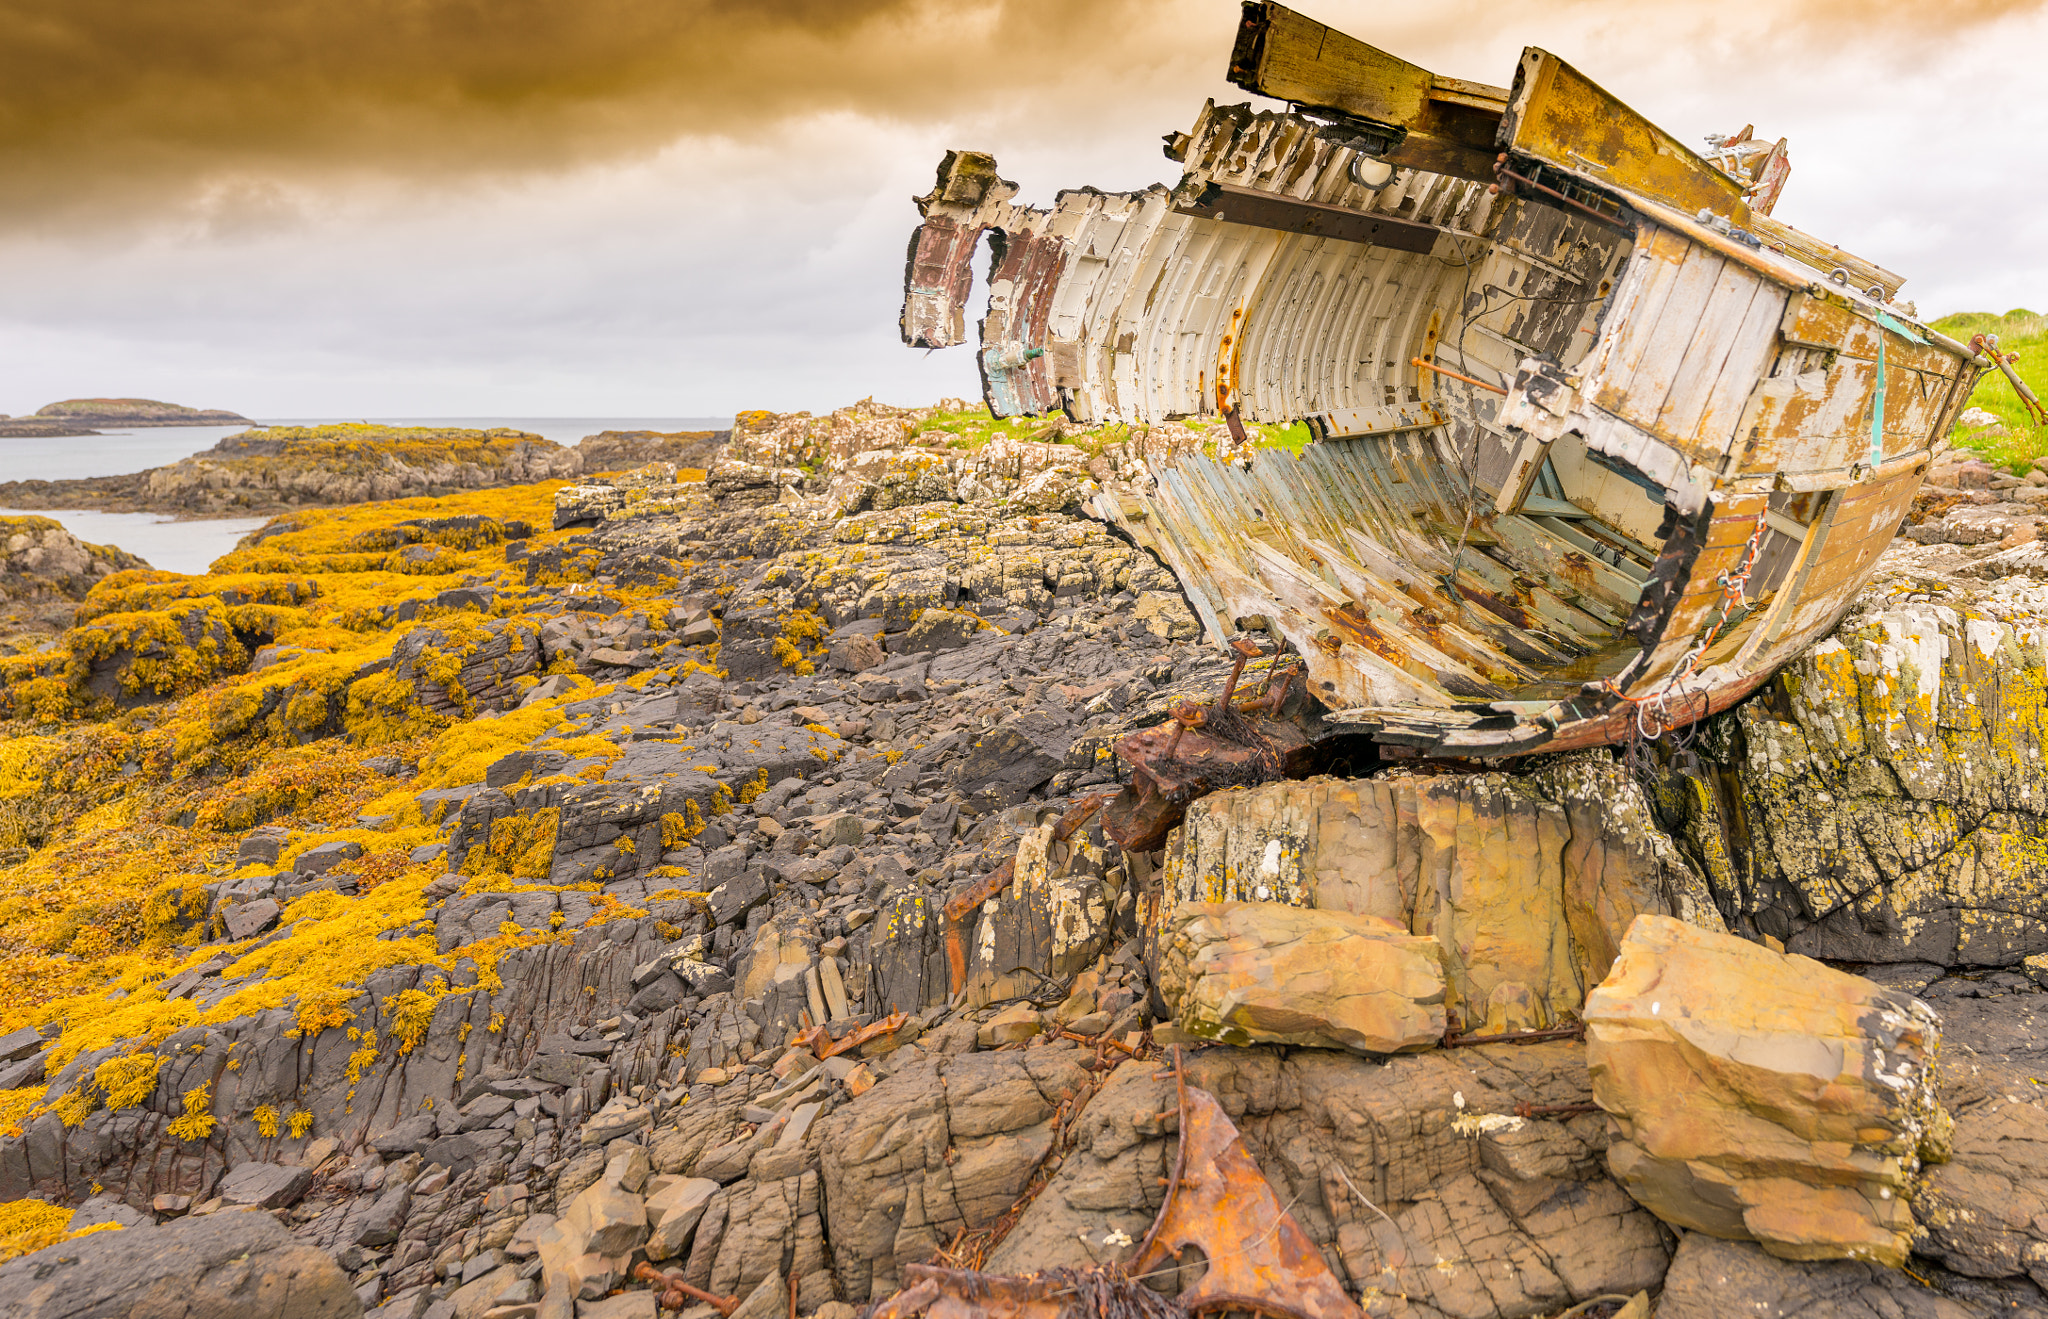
{"x": 1527, "y": 882}
{"x": 618, "y": 451}
{"x": 1268, "y": 973}
{"x": 226, "y": 1266}
{"x": 1053, "y": 920}
{"x": 1762, "y": 1096}
{"x": 44, "y": 572}
{"x": 1883, "y": 800}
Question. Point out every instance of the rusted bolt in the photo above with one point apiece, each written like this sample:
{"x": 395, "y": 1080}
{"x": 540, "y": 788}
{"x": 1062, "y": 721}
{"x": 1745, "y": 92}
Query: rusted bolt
{"x": 1186, "y": 715}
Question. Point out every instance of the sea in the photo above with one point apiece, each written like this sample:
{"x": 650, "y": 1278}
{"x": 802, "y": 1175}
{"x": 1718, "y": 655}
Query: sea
{"x": 192, "y": 546}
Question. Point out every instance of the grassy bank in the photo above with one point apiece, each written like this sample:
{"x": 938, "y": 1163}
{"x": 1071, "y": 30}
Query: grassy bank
{"x": 2016, "y": 442}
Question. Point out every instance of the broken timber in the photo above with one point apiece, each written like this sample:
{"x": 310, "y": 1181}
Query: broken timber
{"x": 1598, "y": 444}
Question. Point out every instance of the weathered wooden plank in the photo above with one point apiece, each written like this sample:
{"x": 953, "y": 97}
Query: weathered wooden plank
{"x": 1571, "y": 568}
{"x": 1658, "y": 259}
{"x": 1718, "y": 429}
{"x": 1713, "y": 339}
{"x": 1641, "y": 397}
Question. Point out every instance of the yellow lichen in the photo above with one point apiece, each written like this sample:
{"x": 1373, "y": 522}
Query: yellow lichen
{"x": 678, "y": 829}
{"x": 197, "y": 1121}
{"x": 266, "y": 1121}
{"x": 126, "y": 1082}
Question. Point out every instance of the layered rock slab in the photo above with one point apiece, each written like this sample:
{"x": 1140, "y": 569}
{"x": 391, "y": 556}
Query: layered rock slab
{"x": 1764, "y": 1097}
{"x": 1526, "y": 882}
{"x": 231, "y": 1265}
{"x": 1268, "y": 973}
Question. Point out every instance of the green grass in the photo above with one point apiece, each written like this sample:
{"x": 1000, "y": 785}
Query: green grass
{"x": 2025, "y": 333}
{"x": 974, "y": 428}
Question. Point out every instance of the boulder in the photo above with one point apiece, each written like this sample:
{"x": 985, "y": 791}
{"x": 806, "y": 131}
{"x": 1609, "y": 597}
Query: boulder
{"x": 246, "y": 920}
{"x": 221, "y": 1266}
{"x": 1527, "y": 882}
{"x": 264, "y": 1185}
{"x": 408, "y": 1137}
{"x": 673, "y": 1212}
{"x": 609, "y": 1219}
{"x": 942, "y": 629}
{"x": 1707, "y": 1275}
{"x": 1268, "y": 973}
{"x": 1762, "y": 1096}
{"x": 854, "y": 654}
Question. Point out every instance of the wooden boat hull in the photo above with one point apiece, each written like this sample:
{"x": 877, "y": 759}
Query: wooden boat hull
{"x": 1599, "y": 444}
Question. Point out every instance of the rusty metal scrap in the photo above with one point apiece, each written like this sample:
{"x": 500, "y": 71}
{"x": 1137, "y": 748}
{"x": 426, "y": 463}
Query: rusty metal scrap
{"x": 1574, "y": 1031}
{"x": 1218, "y": 1202}
{"x": 675, "y": 1293}
{"x": 1565, "y": 379}
{"x": 822, "y": 1046}
{"x": 1988, "y": 344}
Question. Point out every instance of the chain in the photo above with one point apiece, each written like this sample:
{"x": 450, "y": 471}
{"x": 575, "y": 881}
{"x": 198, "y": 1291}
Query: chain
{"x": 1653, "y": 714}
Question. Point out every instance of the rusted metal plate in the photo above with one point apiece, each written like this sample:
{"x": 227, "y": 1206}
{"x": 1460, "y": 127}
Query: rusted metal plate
{"x": 1561, "y": 117}
{"x": 1549, "y": 414}
{"x": 1260, "y": 1261}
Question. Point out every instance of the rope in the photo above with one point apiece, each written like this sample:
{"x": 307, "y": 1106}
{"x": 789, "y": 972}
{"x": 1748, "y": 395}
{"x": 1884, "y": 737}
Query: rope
{"x": 1653, "y": 716}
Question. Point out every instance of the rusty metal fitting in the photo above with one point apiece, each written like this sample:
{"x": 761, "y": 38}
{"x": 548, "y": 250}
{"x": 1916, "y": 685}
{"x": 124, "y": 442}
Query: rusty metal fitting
{"x": 676, "y": 1294}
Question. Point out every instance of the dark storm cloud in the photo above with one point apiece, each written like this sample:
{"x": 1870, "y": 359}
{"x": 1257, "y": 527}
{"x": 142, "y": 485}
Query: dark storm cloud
{"x": 103, "y": 102}
{"x": 105, "y": 98}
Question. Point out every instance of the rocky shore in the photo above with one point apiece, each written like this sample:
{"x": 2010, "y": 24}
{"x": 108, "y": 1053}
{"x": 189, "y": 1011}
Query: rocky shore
{"x": 574, "y": 899}
{"x": 275, "y": 469}
{"x": 82, "y": 416}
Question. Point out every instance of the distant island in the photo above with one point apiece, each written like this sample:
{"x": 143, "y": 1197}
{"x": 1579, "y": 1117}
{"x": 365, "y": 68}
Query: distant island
{"x": 82, "y": 416}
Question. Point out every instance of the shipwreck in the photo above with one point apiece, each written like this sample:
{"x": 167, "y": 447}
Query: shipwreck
{"x": 1597, "y": 443}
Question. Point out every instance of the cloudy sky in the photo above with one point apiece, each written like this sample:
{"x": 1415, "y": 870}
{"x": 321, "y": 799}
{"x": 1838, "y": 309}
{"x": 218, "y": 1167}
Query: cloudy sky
{"x": 681, "y": 208}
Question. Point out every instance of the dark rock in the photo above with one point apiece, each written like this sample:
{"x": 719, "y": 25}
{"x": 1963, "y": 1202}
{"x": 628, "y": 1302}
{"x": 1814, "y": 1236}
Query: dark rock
{"x": 458, "y": 1152}
{"x": 408, "y": 1137}
{"x": 386, "y": 1217}
{"x": 14, "y": 1076}
{"x": 528, "y": 760}
{"x": 942, "y": 629}
{"x": 557, "y": 1068}
{"x": 1015, "y": 756}
{"x": 107, "y": 1209}
{"x": 855, "y": 654}
{"x": 731, "y": 901}
{"x": 19, "y": 1044}
{"x": 261, "y": 846}
{"x": 322, "y": 857}
{"x": 246, "y": 920}
{"x": 222, "y": 1266}
{"x": 658, "y": 995}
{"x": 264, "y": 1185}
